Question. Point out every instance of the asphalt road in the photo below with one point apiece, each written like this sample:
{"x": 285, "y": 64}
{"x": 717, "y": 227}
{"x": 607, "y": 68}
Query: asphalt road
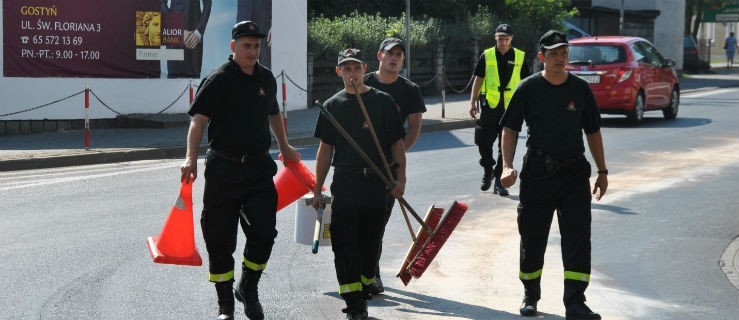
{"x": 73, "y": 244}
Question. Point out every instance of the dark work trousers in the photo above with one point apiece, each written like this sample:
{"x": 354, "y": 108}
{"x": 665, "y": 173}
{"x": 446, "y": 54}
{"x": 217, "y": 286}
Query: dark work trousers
{"x": 487, "y": 130}
{"x": 563, "y": 186}
{"x": 359, "y": 212}
{"x": 390, "y": 204}
{"x": 230, "y": 189}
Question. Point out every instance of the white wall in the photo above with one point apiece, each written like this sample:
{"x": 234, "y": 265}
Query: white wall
{"x": 669, "y": 30}
{"x": 668, "y": 26}
{"x": 152, "y": 95}
{"x": 290, "y": 47}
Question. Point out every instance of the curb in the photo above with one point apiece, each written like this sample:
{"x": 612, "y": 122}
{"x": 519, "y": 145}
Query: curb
{"x": 170, "y": 152}
{"x": 94, "y": 157}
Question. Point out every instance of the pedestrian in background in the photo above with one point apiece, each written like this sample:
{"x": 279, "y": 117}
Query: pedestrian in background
{"x": 238, "y": 104}
{"x": 408, "y": 101}
{"x": 730, "y": 46}
{"x": 360, "y": 198}
{"x": 499, "y": 71}
{"x": 557, "y": 107}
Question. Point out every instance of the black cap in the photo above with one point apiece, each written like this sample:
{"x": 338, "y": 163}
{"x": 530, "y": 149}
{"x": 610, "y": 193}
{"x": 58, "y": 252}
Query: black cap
{"x": 389, "y": 43}
{"x": 246, "y": 29}
{"x": 553, "y": 39}
{"x": 350, "y": 55}
{"x": 504, "y": 30}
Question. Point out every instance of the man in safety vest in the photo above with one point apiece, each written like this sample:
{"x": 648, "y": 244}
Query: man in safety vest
{"x": 497, "y": 75}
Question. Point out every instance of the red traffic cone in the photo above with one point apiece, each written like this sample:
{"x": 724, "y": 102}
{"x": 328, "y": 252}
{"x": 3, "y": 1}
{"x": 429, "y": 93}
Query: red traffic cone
{"x": 176, "y": 243}
{"x": 292, "y": 182}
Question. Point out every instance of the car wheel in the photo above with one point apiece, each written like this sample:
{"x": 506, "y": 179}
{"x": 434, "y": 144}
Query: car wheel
{"x": 637, "y": 115}
{"x": 670, "y": 112}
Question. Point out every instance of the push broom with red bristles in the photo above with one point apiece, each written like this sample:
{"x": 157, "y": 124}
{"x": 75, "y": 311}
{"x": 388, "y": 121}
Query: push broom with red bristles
{"x": 423, "y": 256}
{"x": 433, "y": 245}
{"x": 432, "y": 218}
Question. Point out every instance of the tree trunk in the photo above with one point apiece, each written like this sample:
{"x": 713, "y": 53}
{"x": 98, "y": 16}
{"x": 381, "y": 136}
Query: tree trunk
{"x": 689, "y": 17}
{"x": 699, "y": 5}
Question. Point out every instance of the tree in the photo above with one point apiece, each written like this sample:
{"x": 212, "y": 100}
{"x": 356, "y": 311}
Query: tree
{"x": 695, "y": 8}
{"x": 445, "y": 10}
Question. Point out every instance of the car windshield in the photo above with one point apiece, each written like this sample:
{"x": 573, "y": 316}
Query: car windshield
{"x": 596, "y": 54}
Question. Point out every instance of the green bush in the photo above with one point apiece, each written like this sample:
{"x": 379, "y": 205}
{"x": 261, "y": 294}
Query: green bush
{"x": 327, "y": 36}
{"x": 365, "y": 32}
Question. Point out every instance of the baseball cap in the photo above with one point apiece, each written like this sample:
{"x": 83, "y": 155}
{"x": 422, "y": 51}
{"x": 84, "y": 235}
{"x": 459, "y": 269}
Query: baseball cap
{"x": 389, "y": 43}
{"x": 350, "y": 54}
{"x": 504, "y": 30}
{"x": 553, "y": 39}
{"x": 246, "y": 28}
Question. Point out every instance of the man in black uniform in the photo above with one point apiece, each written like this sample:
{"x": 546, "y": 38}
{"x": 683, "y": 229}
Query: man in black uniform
{"x": 557, "y": 107}
{"x": 498, "y": 73}
{"x": 408, "y": 100}
{"x": 360, "y": 198}
{"x": 238, "y": 103}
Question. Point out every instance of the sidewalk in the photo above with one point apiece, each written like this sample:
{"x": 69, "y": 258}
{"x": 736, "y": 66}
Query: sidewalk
{"x": 66, "y": 148}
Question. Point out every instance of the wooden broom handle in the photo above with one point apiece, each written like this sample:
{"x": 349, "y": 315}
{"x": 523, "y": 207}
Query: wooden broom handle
{"x": 380, "y": 151}
{"x": 369, "y": 162}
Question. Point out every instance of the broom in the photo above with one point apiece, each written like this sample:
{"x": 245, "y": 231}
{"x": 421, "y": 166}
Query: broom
{"x": 380, "y": 151}
{"x": 432, "y": 245}
{"x": 441, "y": 233}
{"x": 376, "y": 170}
{"x": 432, "y": 218}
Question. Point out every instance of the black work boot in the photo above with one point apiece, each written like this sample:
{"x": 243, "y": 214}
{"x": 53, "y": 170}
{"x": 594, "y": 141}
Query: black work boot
{"x": 487, "y": 179}
{"x": 225, "y": 300}
{"x": 580, "y": 311}
{"x": 356, "y": 306}
{"x": 377, "y": 287}
{"x": 528, "y": 308}
{"x": 247, "y": 293}
{"x": 499, "y": 188}
{"x": 532, "y": 294}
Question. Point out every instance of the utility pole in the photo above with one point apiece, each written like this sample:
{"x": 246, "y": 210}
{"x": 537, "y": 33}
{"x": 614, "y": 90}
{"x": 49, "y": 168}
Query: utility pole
{"x": 621, "y": 20}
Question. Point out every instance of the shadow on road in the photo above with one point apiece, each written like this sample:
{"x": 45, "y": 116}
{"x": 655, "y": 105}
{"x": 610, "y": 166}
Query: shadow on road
{"x": 438, "y": 140}
{"x": 614, "y": 209}
{"x": 420, "y": 305}
{"x": 651, "y": 122}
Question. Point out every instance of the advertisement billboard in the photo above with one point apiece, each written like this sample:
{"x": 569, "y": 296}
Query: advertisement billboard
{"x": 120, "y": 39}
{"x": 137, "y": 56}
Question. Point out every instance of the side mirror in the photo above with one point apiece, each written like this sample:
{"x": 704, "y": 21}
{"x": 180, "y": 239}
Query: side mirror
{"x": 669, "y": 63}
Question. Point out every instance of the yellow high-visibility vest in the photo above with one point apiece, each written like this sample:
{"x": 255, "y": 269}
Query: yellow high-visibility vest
{"x": 491, "y": 84}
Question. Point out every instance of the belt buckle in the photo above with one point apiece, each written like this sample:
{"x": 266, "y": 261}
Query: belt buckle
{"x": 365, "y": 171}
{"x": 244, "y": 158}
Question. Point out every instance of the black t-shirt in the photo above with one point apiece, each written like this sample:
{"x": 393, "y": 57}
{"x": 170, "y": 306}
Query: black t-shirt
{"x": 556, "y": 115}
{"x": 505, "y": 66}
{"x": 345, "y": 108}
{"x": 237, "y": 105}
{"x": 407, "y": 95}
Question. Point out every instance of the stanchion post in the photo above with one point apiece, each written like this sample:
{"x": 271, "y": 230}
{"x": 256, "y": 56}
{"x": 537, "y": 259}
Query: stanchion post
{"x": 284, "y": 98}
{"x": 189, "y": 84}
{"x": 443, "y": 91}
{"x": 87, "y": 117}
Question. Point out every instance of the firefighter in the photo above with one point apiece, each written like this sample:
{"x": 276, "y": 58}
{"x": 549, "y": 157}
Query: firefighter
{"x": 498, "y": 72}
{"x": 408, "y": 100}
{"x": 360, "y": 204}
{"x": 557, "y": 107}
{"x": 238, "y": 104}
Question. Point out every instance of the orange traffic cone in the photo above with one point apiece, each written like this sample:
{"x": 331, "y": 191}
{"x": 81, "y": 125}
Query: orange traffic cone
{"x": 292, "y": 182}
{"x": 176, "y": 243}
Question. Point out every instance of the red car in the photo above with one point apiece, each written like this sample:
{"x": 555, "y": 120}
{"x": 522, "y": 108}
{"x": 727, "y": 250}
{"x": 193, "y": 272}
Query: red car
{"x": 628, "y": 75}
